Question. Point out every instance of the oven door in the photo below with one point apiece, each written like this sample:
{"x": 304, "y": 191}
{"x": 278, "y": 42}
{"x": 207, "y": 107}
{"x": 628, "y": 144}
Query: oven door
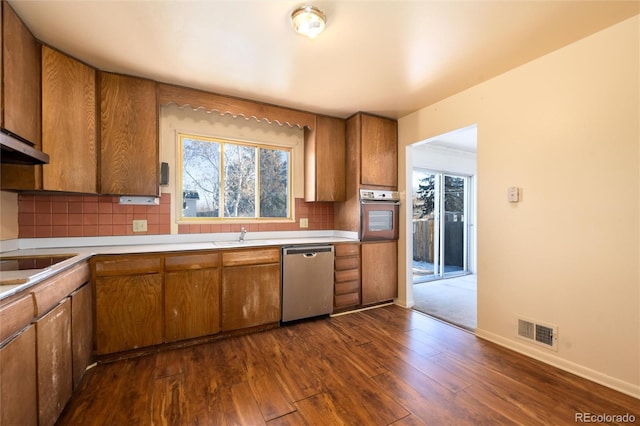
{"x": 379, "y": 220}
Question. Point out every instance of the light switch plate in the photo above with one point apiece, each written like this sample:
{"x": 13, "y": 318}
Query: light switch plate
{"x": 304, "y": 222}
{"x": 513, "y": 194}
{"x": 139, "y": 226}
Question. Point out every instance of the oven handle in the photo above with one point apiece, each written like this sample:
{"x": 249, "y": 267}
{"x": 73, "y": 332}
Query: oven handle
{"x": 385, "y": 203}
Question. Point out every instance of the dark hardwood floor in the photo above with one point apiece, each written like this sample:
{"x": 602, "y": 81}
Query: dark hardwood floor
{"x": 378, "y": 367}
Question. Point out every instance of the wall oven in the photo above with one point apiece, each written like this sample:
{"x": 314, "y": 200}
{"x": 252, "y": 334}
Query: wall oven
{"x": 379, "y": 215}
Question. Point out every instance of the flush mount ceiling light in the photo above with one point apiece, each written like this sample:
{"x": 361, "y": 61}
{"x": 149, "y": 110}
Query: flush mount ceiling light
{"x": 308, "y": 21}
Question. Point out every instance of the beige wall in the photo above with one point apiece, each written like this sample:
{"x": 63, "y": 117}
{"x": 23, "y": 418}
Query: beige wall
{"x": 8, "y": 215}
{"x": 565, "y": 129}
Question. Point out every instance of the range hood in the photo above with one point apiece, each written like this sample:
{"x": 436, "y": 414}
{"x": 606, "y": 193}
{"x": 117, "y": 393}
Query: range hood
{"x": 17, "y": 151}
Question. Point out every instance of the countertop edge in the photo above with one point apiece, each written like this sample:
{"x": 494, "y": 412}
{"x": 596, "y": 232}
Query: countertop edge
{"x": 154, "y": 245}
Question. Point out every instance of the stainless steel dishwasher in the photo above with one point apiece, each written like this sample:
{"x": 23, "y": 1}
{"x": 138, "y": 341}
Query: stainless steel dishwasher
{"x": 307, "y": 281}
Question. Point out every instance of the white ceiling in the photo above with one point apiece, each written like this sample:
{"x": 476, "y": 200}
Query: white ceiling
{"x": 465, "y": 139}
{"x": 385, "y": 57}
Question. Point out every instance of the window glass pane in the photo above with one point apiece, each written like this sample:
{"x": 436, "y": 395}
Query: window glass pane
{"x": 227, "y": 179}
{"x": 274, "y": 183}
{"x": 239, "y": 181}
{"x": 200, "y": 178}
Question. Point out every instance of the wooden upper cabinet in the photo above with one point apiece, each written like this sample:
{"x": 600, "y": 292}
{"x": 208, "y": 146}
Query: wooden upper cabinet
{"x": 325, "y": 160}
{"x": 20, "y": 96}
{"x": 379, "y": 151}
{"x": 20, "y": 78}
{"x": 68, "y": 123}
{"x": 128, "y": 136}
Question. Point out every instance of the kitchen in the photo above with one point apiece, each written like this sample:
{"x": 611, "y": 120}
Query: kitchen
{"x": 337, "y": 215}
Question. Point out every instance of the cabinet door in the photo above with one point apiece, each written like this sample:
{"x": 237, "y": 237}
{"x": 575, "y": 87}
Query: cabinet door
{"x": 325, "y": 160}
{"x": 379, "y": 150}
{"x": 346, "y": 276}
{"x": 20, "y": 78}
{"x": 68, "y": 123}
{"x": 81, "y": 331}
{"x": 53, "y": 333}
{"x": 129, "y": 312}
{"x": 128, "y": 136}
{"x": 20, "y": 97}
{"x": 379, "y": 272}
{"x": 250, "y": 296}
{"x": 192, "y": 303}
{"x": 18, "y": 391}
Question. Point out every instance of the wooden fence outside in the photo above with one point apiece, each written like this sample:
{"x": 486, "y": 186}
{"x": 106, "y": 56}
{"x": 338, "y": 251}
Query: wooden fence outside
{"x": 453, "y": 242}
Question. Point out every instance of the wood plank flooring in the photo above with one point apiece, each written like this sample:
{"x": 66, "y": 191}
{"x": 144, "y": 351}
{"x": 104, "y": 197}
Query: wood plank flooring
{"x": 378, "y": 367}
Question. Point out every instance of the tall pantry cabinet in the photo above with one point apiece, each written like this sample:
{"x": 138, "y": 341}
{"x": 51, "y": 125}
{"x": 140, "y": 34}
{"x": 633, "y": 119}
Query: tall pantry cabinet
{"x": 372, "y": 163}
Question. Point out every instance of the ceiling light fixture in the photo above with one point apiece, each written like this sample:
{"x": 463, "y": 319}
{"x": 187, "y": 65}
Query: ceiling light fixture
{"x": 308, "y": 21}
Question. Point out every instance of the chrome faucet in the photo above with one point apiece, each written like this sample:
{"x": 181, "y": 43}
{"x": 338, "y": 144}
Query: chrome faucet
{"x": 242, "y": 233}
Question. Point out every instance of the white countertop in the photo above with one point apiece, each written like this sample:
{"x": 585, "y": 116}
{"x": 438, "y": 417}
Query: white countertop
{"x": 86, "y": 247}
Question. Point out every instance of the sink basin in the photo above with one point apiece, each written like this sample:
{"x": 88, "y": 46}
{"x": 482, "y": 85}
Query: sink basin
{"x": 245, "y": 243}
{"x": 21, "y": 263}
{"x": 228, "y": 243}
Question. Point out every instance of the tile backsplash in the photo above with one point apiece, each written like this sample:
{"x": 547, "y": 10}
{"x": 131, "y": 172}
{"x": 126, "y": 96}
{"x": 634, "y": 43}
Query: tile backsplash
{"x": 53, "y": 215}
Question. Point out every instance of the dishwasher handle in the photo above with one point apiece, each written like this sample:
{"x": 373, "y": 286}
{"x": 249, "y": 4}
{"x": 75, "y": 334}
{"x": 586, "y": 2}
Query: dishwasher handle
{"x": 307, "y": 251}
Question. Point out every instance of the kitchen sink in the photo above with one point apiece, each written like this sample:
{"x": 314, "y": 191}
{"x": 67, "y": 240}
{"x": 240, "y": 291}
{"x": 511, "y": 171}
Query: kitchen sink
{"x": 22, "y": 263}
{"x": 246, "y": 243}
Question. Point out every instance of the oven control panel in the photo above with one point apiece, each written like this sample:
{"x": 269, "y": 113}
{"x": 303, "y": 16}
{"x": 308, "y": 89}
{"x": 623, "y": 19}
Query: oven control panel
{"x": 379, "y": 195}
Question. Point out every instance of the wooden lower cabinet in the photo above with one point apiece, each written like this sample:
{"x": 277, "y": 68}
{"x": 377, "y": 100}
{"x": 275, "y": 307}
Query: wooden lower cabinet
{"x": 18, "y": 389}
{"x": 346, "y": 276}
{"x": 250, "y": 296}
{"x": 251, "y": 288}
{"x": 54, "y": 361}
{"x": 379, "y": 271}
{"x": 81, "y": 331}
{"x": 192, "y": 304}
{"x": 146, "y": 300}
{"x": 129, "y": 312}
{"x": 192, "y": 295}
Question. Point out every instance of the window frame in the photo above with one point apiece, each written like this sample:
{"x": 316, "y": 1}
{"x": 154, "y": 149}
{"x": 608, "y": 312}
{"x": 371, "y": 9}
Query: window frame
{"x": 182, "y": 135}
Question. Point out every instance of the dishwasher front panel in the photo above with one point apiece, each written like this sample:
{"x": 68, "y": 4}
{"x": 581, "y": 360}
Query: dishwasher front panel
{"x": 307, "y": 282}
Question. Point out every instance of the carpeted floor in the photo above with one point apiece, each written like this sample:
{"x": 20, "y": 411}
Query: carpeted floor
{"x": 453, "y": 300}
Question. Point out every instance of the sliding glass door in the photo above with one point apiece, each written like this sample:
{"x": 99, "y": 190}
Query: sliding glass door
{"x": 440, "y": 207}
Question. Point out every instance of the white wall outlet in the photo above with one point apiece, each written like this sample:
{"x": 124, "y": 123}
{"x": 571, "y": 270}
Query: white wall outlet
{"x": 304, "y": 222}
{"x": 139, "y": 226}
{"x": 513, "y": 194}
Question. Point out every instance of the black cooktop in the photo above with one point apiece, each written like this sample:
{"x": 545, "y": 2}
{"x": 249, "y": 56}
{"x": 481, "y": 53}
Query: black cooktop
{"x": 21, "y": 263}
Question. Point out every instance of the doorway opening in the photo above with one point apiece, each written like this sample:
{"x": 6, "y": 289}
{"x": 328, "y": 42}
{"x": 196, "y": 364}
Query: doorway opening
{"x": 439, "y": 227}
{"x": 443, "y": 182}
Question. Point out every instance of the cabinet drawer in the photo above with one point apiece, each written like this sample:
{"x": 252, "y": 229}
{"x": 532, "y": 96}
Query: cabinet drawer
{"x": 52, "y": 291}
{"x": 344, "y": 300}
{"x": 347, "y": 287}
{"x": 251, "y": 257}
{"x": 344, "y": 263}
{"x": 191, "y": 261}
{"x": 16, "y": 316}
{"x": 127, "y": 265}
{"x": 347, "y": 249}
{"x": 350, "y": 275}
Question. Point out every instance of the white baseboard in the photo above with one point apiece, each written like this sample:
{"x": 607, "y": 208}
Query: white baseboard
{"x": 551, "y": 359}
